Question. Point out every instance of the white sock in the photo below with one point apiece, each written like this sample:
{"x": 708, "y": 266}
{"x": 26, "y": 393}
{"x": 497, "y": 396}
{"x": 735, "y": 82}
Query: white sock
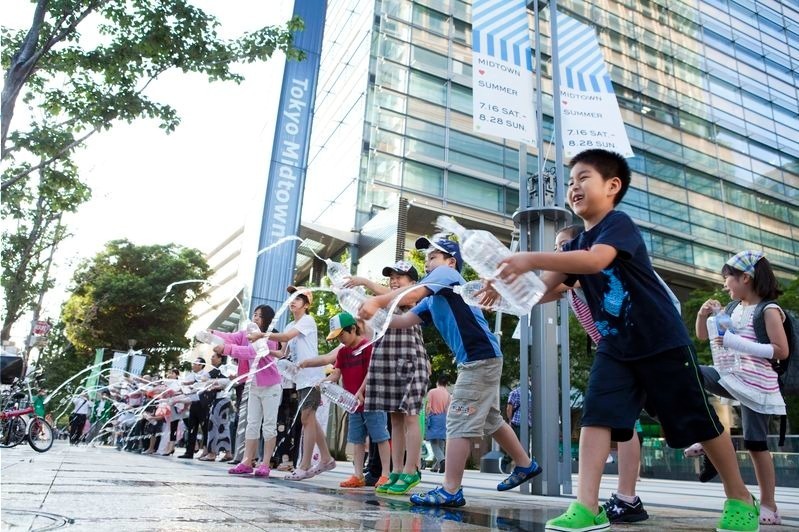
{"x": 629, "y": 499}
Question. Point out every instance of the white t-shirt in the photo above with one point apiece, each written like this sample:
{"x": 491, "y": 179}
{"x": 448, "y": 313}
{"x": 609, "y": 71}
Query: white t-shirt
{"x": 82, "y": 405}
{"x": 302, "y": 347}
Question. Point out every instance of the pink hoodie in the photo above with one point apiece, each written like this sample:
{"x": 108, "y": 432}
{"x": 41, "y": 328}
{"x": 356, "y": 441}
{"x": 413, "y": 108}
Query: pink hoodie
{"x": 238, "y": 347}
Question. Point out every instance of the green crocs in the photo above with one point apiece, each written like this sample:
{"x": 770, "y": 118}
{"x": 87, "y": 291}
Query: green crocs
{"x": 739, "y": 516}
{"x": 392, "y": 478}
{"x": 404, "y": 484}
{"x": 578, "y": 518}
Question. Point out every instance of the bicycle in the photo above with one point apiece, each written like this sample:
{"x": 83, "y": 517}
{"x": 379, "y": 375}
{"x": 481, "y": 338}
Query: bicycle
{"x": 16, "y": 422}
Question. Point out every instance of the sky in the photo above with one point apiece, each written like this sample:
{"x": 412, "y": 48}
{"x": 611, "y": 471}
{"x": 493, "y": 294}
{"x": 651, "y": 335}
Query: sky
{"x": 191, "y": 187}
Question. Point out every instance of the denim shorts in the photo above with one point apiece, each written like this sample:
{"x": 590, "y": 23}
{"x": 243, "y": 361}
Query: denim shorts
{"x": 374, "y": 423}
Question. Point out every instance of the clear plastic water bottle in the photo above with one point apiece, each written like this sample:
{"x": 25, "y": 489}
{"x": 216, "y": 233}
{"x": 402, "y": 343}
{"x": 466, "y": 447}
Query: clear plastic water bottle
{"x": 207, "y": 338}
{"x": 469, "y": 292}
{"x": 340, "y": 396}
{"x": 483, "y": 251}
{"x": 724, "y": 360}
{"x": 288, "y": 372}
{"x": 352, "y": 300}
{"x": 724, "y": 322}
{"x": 261, "y": 347}
{"x": 338, "y": 273}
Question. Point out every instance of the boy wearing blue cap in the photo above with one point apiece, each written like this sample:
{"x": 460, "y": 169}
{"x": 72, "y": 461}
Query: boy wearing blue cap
{"x": 474, "y": 410}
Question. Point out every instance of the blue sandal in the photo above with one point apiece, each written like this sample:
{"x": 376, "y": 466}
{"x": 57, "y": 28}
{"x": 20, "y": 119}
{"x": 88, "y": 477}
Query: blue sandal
{"x": 439, "y": 497}
{"x": 519, "y": 476}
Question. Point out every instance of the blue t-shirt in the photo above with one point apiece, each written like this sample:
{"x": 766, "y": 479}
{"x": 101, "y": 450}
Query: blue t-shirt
{"x": 464, "y": 328}
{"x": 630, "y": 307}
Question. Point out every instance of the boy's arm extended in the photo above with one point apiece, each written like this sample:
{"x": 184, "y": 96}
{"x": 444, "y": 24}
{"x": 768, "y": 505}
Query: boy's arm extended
{"x": 373, "y": 304}
{"x": 376, "y": 288}
{"x": 321, "y": 360}
{"x": 334, "y": 376}
{"x": 589, "y": 261}
{"x": 552, "y": 280}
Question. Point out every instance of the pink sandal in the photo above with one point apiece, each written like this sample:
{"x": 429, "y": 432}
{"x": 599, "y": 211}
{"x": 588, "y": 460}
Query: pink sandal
{"x": 769, "y": 517}
{"x": 240, "y": 469}
{"x": 320, "y": 468}
{"x": 298, "y": 474}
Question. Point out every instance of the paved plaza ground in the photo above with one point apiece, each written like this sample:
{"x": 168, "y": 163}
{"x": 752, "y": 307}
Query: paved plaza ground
{"x": 101, "y": 489}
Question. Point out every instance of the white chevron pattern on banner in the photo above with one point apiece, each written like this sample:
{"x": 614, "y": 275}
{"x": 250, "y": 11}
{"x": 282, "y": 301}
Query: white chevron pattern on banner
{"x": 580, "y": 57}
{"x": 500, "y": 29}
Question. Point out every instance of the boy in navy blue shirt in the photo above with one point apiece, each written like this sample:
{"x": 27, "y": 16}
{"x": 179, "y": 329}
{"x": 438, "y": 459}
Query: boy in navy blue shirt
{"x": 474, "y": 410}
{"x": 645, "y": 353}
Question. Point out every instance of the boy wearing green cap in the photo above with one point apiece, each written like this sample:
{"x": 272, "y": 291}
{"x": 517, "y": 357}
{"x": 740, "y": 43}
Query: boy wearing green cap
{"x": 351, "y": 365}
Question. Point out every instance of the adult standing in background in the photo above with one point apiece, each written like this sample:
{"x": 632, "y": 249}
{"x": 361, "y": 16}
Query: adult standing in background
{"x": 82, "y": 407}
{"x": 513, "y": 411}
{"x": 438, "y": 400}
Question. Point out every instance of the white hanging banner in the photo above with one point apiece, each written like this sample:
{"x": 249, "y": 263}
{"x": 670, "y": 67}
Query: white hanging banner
{"x": 502, "y": 82}
{"x": 590, "y": 116}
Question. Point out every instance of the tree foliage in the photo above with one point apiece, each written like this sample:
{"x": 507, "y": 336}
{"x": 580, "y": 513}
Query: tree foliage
{"x": 83, "y": 66}
{"x": 118, "y": 296}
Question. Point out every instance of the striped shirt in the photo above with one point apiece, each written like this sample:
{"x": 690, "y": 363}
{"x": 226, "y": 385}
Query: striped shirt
{"x": 583, "y": 314}
{"x": 755, "y": 384}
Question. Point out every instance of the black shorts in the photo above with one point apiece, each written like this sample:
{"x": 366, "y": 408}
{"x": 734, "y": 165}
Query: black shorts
{"x": 668, "y": 385}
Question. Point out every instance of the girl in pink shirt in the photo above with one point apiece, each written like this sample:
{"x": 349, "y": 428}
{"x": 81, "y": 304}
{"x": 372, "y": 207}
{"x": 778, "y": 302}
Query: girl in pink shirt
{"x": 264, "y": 396}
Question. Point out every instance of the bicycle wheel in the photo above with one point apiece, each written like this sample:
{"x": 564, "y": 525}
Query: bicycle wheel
{"x": 40, "y": 435}
{"x": 12, "y": 432}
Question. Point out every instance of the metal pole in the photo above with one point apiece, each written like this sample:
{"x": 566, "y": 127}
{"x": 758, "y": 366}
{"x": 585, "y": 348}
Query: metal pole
{"x": 565, "y": 399}
{"x": 524, "y": 321}
{"x": 556, "y": 133}
{"x": 565, "y": 374}
{"x": 537, "y": 231}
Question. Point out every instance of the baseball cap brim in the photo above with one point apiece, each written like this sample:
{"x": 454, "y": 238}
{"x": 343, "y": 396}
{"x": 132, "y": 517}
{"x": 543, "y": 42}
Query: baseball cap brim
{"x": 412, "y": 273}
{"x": 425, "y": 243}
{"x": 334, "y": 333}
{"x": 303, "y": 292}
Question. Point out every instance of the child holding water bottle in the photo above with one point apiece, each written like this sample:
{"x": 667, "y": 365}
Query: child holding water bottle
{"x": 474, "y": 410}
{"x": 351, "y": 365}
{"x": 752, "y": 381}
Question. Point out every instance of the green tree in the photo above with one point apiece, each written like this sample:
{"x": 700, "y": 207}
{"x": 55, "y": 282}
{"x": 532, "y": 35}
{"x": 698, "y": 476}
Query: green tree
{"x": 82, "y": 85}
{"x": 120, "y": 294}
{"x": 35, "y": 232}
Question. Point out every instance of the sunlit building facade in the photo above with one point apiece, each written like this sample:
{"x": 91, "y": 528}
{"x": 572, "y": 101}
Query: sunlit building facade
{"x": 707, "y": 90}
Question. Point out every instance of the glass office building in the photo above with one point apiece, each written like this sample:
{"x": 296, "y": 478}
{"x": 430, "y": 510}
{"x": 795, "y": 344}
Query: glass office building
{"x": 707, "y": 90}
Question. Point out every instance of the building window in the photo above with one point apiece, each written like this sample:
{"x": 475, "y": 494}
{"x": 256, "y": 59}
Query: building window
{"x": 423, "y": 178}
{"x": 475, "y": 192}
{"x": 428, "y": 87}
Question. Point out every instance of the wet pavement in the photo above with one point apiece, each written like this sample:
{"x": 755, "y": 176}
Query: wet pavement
{"x": 103, "y": 489}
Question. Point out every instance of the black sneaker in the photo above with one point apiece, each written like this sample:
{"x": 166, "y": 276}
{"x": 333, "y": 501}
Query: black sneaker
{"x": 369, "y": 479}
{"x": 619, "y": 511}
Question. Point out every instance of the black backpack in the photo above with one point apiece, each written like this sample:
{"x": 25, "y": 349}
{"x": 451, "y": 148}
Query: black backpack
{"x": 787, "y": 373}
